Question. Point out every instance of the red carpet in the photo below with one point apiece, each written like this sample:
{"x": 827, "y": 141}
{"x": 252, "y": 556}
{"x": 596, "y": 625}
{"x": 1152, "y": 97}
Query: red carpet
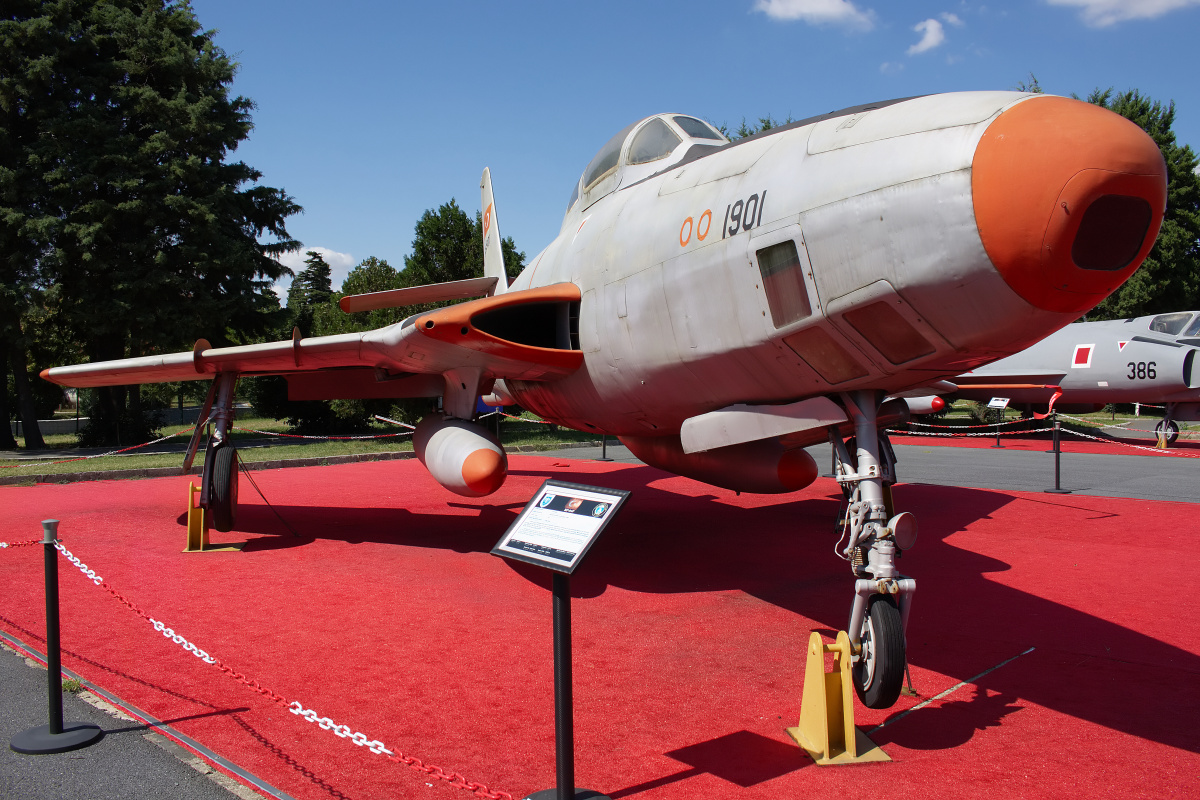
{"x": 691, "y": 618}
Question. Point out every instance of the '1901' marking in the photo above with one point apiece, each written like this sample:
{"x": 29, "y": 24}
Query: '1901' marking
{"x": 743, "y": 215}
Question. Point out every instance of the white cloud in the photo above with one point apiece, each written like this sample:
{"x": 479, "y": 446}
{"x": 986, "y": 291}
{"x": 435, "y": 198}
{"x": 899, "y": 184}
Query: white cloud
{"x": 1102, "y": 13}
{"x": 340, "y": 265}
{"x": 953, "y": 19}
{"x": 892, "y": 67}
{"x": 933, "y": 35}
{"x": 818, "y": 12}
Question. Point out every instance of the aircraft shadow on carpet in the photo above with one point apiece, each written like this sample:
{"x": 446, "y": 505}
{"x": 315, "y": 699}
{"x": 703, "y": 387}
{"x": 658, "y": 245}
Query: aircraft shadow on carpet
{"x": 667, "y": 542}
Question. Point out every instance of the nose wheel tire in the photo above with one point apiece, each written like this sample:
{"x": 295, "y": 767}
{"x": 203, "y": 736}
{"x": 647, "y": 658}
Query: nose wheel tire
{"x": 879, "y": 670}
{"x": 1167, "y": 429}
{"x": 223, "y": 488}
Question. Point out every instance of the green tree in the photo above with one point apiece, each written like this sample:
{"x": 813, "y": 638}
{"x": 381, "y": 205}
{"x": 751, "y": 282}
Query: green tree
{"x": 116, "y": 188}
{"x": 448, "y": 246}
{"x": 1169, "y": 279}
{"x": 311, "y": 288}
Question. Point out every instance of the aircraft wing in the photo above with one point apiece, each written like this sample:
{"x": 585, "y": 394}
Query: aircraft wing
{"x": 523, "y": 335}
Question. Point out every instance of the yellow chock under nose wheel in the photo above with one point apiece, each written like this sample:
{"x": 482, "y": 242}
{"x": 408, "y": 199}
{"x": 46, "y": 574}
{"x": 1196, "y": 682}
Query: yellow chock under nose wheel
{"x": 826, "y": 730}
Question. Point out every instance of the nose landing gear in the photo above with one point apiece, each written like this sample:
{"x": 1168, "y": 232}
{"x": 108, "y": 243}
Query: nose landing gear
{"x": 873, "y": 537}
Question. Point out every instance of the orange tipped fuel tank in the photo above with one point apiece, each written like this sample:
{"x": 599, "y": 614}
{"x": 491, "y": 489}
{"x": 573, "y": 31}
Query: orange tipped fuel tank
{"x": 460, "y": 455}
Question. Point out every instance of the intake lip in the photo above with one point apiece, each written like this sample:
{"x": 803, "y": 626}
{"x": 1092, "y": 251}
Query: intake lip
{"x": 1068, "y": 199}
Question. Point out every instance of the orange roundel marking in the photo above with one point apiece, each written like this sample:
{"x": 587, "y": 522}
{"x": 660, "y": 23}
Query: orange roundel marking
{"x": 487, "y": 220}
{"x": 683, "y": 240}
{"x": 706, "y": 220}
{"x": 1037, "y": 169}
{"x": 484, "y": 471}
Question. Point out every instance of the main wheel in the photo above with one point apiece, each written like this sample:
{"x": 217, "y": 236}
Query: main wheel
{"x": 223, "y": 488}
{"x": 1167, "y": 429}
{"x": 879, "y": 671}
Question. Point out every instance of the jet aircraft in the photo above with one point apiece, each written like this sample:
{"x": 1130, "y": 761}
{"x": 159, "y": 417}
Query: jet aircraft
{"x": 1089, "y": 364}
{"x": 721, "y": 305}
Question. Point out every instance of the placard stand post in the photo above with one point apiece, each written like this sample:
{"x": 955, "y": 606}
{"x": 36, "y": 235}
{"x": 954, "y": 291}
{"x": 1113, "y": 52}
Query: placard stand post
{"x": 555, "y": 530}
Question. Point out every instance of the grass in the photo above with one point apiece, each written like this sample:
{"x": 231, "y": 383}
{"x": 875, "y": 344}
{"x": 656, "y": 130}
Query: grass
{"x": 525, "y": 431}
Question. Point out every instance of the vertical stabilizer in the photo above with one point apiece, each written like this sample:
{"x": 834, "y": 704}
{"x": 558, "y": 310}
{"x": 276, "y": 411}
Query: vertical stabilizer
{"x": 493, "y": 256}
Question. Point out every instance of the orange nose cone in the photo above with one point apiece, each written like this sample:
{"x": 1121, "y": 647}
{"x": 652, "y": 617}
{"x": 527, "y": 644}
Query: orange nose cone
{"x": 484, "y": 471}
{"x": 1068, "y": 200}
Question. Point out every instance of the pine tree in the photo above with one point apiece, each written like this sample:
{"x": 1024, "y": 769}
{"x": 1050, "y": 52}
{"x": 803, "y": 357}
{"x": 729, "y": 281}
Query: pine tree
{"x": 117, "y": 190}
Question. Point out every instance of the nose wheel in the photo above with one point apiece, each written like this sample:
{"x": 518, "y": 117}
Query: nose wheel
{"x": 879, "y": 669}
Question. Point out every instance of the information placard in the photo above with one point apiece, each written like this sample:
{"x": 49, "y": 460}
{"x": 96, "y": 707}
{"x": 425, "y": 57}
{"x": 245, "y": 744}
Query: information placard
{"x": 998, "y": 402}
{"x": 559, "y": 524}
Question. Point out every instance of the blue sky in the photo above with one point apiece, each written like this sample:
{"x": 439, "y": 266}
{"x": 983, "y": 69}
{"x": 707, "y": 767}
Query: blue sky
{"x": 369, "y": 112}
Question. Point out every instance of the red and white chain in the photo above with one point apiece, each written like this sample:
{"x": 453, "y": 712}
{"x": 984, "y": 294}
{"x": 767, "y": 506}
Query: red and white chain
{"x": 98, "y": 455}
{"x": 325, "y": 723}
{"x": 1156, "y": 451}
{"x": 25, "y": 543}
{"x": 983, "y": 433}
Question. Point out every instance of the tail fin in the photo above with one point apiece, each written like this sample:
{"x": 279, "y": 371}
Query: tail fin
{"x": 493, "y": 256}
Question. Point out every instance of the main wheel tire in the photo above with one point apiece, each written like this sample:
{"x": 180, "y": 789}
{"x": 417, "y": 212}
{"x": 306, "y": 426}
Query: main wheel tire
{"x": 1169, "y": 428}
{"x": 879, "y": 672}
{"x": 223, "y": 490}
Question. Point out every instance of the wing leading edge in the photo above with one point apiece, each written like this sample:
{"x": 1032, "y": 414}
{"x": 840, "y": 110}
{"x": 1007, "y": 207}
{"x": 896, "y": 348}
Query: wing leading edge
{"x": 525, "y": 335}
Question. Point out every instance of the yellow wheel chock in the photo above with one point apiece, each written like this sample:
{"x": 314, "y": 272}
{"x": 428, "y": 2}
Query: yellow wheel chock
{"x": 826, "y": 730}
{"x": 197, "y": 523}
{"x": 197, "y": 528}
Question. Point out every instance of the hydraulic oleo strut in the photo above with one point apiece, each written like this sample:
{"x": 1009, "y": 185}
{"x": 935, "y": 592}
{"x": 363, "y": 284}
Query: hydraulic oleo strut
{"x": 873, "y": 536}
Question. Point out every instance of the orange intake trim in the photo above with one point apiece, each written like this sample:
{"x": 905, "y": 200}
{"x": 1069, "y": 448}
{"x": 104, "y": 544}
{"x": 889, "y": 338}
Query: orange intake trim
{"x": 1044, "y": 166}
{"x": 453, "y": 325}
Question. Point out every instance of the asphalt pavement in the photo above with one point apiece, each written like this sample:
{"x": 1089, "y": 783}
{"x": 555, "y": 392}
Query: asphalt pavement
{"x": 129, "y": 762}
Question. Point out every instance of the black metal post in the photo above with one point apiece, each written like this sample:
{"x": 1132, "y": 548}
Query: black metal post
{"x": 53, "y": 737}
{"x": 564, "y": 712}
{"x": 999, "y": 422}
{"x": 604, "y": 448}
{"x": 1057, "y": 456}
{"x": 53, "y": 646}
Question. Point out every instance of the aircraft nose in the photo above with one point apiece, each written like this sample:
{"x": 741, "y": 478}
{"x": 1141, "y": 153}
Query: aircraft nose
{"x": 1068, "y": 200}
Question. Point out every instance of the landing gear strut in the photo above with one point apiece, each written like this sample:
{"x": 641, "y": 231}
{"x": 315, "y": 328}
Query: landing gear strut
{"x": 873, "y": 536}
{"x": 219, "y": 484}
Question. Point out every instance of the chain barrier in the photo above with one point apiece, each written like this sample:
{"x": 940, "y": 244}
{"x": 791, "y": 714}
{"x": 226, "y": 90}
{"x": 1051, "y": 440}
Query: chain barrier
{"x": 1154, "y": 450}
{"x": 985, "y": 433}
{"x": 325, "y": 723}
{"x": 986, "y": 425}
{"x": 25, "y": 543}
{"x": 98, "y": 455}
{"x": 322, "y": 438}
{"x": 522, "y": 419}
{"x": 1122, "y": 427}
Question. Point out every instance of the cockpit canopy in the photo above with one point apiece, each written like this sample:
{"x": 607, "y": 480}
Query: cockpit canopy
{"x": 658, "y": 141}
{"x": 1173, "y": 324}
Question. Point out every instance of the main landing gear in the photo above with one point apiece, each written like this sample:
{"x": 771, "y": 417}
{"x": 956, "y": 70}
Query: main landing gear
{"x": 219, "y": 483}
{"x": 873, "y": 538}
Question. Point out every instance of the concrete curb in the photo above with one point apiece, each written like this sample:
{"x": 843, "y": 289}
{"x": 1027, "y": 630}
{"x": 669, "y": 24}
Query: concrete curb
{"x": 282, "y": 463}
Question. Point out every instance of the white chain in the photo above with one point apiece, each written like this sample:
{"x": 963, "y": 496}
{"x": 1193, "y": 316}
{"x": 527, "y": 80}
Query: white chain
{"x": 985, "y": 434}
{"x": 343, "y": 731}
{"x": 90, "y": 573}
{"x": 182, "y": 642}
